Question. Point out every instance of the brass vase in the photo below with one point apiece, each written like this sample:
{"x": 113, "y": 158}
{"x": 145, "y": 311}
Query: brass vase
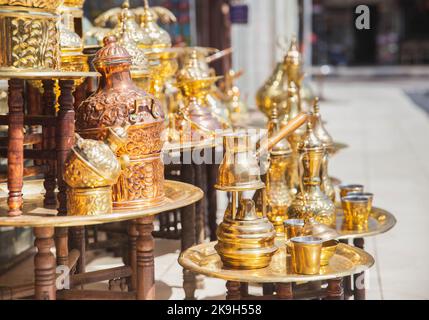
{"x": 311, "y": 201}
{"x": 119, "y": 102}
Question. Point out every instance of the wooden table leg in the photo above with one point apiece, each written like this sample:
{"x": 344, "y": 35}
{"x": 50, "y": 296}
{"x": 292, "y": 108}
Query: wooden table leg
{"x": 77, "y": 241}
{"x": 64, "y": 139}
{"x": 145, "y": 259}
{"x": 132, "y": 254}
{"x": 49, "y": 101}
{"x": 359, "y": 278}
{"x": 244, "y": 289}
{"x": 284, "y": 291}
{"x": 212, "y": 172}
{"x": 233, "y": 290}
{"x": 188, "y": 236}
{"x": 15, "y": 151}
{"x": 347, "y": 281}
{"x": 267, "y": 289}
{"x": 335, "y": 289}
{"x": 44, "y": 264}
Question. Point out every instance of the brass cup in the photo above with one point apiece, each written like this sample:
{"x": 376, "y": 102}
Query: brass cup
{"x": 306, "y": 254}
{"x": 328, "y": 250}
{"x": 293, "y": 228}
{"x": 356, "y": 211}
{"x": 345, "y": 189}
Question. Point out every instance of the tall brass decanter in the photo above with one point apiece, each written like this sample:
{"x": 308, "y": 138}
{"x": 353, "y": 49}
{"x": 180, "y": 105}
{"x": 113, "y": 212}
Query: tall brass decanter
{"x": 311, "y": 201}
{"x": 279, "y": 196}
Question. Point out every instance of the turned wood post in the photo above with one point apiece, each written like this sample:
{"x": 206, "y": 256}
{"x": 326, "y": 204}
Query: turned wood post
{"x": 244, "y": 289}
{"x": 132, "y": 254}
{"x": 284, "y": 291}
{"x": 77, "y": 241}
{"x": 49, "y": 100}
{"x": 145, "y": 259}
{"x": 15, "y": 151}
{"x": 359, "y": 278}
{"x": 34, "y": 107}
{"x": 335, "y": 289}
{"x": 233, "y": 290}
{"x": 64, "y": 138}
{"x": 188, "y": 234}
{"x": 44, "y": 264}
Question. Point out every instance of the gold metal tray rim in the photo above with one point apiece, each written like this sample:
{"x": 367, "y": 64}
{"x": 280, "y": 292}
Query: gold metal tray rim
{"x": 48, "y": 217}
{"x": 367, "y": 261}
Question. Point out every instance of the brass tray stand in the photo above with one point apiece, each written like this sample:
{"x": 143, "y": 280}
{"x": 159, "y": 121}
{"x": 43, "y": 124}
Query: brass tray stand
{"x": 347, "y": 261}
{"x": 137, "y": 275}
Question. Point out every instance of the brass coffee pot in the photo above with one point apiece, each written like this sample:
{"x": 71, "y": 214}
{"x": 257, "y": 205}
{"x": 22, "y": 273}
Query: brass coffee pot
{"x": 279, "y": 195}
{"x": 246, "y": 237}
{"x": 311, "y": 201}
{"x": 327, "y": 141}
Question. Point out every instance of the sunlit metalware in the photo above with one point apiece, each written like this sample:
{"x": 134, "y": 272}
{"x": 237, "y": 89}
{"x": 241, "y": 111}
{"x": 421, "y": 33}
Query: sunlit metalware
{"x": 293, "y": 228}
{"x": 119, "y": 102}
{"x": 345, "y": 189}
{"x": 236, "y": 108}
{"x": 90, "y": 171}
{"x": 327, "y": 141}
{"x": 305, "y": 253}
{"x": 278, "y": 193}
{"x": 328, "y": 251}
{"x": 356, "y": 211}
{"x": 310, "y": 200}
{"x": 29, "y": 35}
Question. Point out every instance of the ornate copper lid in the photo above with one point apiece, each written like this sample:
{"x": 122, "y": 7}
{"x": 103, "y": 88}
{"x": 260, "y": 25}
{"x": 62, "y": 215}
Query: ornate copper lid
{"x": 112, "y": 53}
{"x": 310, "y": 141}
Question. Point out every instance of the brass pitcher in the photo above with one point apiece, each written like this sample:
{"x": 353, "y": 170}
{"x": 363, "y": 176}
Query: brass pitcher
{"x": 319, "y": 130}
{"x": 310, "y": 200}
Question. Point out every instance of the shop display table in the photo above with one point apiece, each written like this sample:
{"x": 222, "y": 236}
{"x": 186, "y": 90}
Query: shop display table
{"x": 347, "y": 261}
{"x": 138, "y": 274}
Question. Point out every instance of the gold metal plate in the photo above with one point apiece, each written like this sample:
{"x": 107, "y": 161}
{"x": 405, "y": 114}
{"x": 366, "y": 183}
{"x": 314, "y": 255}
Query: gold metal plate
{"x": 380, "y": 221}
{"x": 178, "y": 195}
{"x": 203, "y": 259}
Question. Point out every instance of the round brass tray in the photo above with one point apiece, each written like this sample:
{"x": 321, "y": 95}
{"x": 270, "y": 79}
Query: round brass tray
{"x": 178, "y": 195}
{"x": 380, "y": 221}
{"x": 204, "y": 259}
{"x": 46, "y": 75}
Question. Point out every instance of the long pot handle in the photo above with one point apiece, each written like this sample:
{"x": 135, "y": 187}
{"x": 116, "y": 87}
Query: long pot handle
{"x": 288, "y": 129}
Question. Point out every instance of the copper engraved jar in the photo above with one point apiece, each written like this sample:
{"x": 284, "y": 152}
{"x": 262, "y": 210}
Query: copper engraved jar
{"x": 119, "y": 102}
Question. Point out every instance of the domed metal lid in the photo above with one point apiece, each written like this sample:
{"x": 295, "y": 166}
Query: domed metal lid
{"x": 154, "y": 35}
{"x": 319, "y": 129}
{"x": 310, "y": 141}
{"x": 293, "y": 56}
{"x": 112, "y": 53}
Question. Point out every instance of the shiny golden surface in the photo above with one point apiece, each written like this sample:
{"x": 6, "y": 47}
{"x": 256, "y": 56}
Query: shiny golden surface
{"x": 203, "y": 259}
{"x": 328, "y": 251}
{"x": 356, "y": 211}
{"x": 177, "y": 195}
{"x": 119, "y": 102}
{"x": 245, "y": 239}
{"x": 305, "y": 252}
{"x": 154, "y": 36}
{"x": 293, "y": 228}
{"x": 89, "y": 201}
{"x": 29, "y": 35}
{"x": 346, "y": 188}
{"x": 74, "y": 3}
{"x": 311, "y": 202}
{"x": 379, "y": 221}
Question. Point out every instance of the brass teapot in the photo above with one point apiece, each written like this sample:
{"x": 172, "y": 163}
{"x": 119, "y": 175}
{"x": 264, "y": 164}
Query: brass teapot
{"x": 310, "y": 200}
